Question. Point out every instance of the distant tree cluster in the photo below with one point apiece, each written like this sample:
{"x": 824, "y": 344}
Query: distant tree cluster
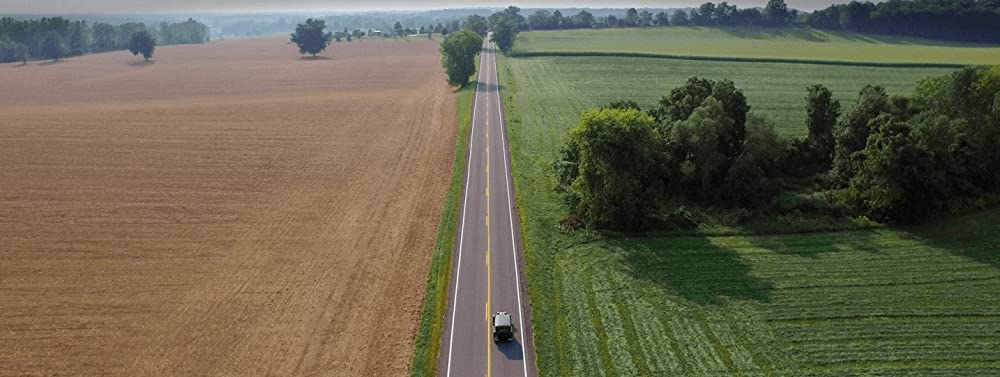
{"x": 55, "y": 38}
{"x": 894, "y": 159}
{"x": 965, "y": 20}
{"x": 187, "y": 32}
{"x": 775, "y": 13}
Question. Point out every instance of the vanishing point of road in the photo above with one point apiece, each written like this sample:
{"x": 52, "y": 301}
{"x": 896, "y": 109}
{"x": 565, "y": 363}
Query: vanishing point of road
{"x": 487, "y": 263}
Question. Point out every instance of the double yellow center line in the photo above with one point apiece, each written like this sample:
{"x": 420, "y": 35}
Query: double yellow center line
{"x": 489, "y": 290}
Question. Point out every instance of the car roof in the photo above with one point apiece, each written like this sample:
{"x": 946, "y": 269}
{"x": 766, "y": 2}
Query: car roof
{"x": 501, "y": 319}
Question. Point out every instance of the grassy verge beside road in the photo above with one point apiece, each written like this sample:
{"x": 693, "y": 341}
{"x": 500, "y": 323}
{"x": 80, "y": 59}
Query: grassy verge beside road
{"x": 428, "y": 340}
{"x": 912, "y": 301}
{"x": 761, "y": 43}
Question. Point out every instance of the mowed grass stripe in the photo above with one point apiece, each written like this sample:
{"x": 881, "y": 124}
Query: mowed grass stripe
{"x": 755, "y": 44}
{"x": 882, "y": 302}
{"x": 737, "y": 60}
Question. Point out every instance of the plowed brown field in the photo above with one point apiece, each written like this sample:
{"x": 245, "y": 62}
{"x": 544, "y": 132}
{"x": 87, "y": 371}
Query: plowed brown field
{"x": 229, "y": 210}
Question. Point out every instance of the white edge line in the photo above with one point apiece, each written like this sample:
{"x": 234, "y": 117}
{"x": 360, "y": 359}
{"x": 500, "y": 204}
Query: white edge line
{"x": 465, "y": 206}
{"x": 510, "y": 215}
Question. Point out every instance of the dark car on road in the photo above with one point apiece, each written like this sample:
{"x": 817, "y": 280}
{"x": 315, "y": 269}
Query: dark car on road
{"x": 503, "y": 329}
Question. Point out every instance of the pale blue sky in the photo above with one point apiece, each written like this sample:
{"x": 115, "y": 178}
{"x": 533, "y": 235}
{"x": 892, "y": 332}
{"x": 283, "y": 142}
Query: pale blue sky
{"x": 151, "y": 6}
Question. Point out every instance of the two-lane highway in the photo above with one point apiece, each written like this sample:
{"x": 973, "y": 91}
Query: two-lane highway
{"x": 487, "y": 262}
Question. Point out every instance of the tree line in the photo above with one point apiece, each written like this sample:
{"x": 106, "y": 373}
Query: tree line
{"x": 896, "y": 159}
{"x": 775, "y": 13}
{"x": 57, "y": 37}
{"x": 963, "y": 20}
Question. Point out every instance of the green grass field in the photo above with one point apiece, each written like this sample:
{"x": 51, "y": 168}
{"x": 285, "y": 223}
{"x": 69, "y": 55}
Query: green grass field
{"x": 780, "y": 43}
{"x": 921, "y": 301}
{"x": 558, "y": 88}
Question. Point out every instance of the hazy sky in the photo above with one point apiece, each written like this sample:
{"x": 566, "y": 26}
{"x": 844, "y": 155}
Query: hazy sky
{"x": 150, "y": 6}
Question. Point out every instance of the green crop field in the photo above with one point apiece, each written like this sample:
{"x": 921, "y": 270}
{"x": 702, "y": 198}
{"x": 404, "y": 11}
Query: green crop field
{"x": 780, "y": 43}
{"x": 556, "y": 89}
{"x": 917, "y": 301}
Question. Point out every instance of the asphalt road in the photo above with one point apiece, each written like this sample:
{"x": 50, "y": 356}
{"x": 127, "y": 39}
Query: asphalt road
{"x": 487, "y": 264}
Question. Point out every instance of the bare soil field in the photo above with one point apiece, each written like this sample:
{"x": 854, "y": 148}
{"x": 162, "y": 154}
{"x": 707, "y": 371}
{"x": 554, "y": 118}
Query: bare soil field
{"x": 227, "y": 210}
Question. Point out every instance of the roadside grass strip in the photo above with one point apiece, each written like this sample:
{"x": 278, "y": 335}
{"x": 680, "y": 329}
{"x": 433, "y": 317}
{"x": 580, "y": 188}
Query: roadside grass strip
{"x": 428, "y": 340}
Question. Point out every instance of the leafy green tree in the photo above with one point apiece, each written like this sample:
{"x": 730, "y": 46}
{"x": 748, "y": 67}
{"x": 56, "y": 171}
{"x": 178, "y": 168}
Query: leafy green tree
{"x": 397, "y": 29}
{"x": 311, "y": 37}
{"x": 54, "y": 46}
{"x": 856, "y": 15}
{"x": 891, "y": 181}
{"x": 679, "y": 18}
{"x": 821, "y": 116}
{"x": 748, "y": 180}
{"x": 694, "y": 142}
{"x": 853, "y": 131}
{"x": 584, "y": 20}
{"x": 776, "y": 12}
{"x": 477, "y": 24}
{"x": 79, "y": 38}
{"x": 632, "y": 17}
{"x": 682, "y": 101}
{"x": 946, "y": 141}
{"x": 645, "y": 18}
{"x": 458, "y": 55}
{"x": 124, "y": 33}
{"x": 734, "y": 103}
{"x": 21, "y": 53}
{"x": 505, "y": 31}
{"x": 104, "y": 37}
{"x": 616, "y": 149}
{"x": 558, "y": 21}
{"x": 514, "y": 13}
{"x": 142, "y": 43}
{"x": 662, "y": 19}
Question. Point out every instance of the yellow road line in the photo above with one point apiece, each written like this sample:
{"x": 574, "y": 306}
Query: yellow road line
{"x": 489, "y": 291}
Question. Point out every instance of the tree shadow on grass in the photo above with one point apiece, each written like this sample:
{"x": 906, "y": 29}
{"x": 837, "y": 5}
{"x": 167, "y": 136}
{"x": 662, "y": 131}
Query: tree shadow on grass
{"x": 314, "y": 58}
{"x": 51, "y": 62}
{"x": 975, "y": 236}
{"x": 812, "y": 245}
{"x": 765, "y": 33}
{"x": 141, "y": 63}
{"x": 694, "y": 268}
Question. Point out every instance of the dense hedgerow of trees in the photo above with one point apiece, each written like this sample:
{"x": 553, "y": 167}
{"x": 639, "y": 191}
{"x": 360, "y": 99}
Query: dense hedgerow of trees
{"x": 890, "y": 158}
{"x": 21, "y": 40}
{"x": 775, "y": 13}
{"x": 963, "y": 20}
